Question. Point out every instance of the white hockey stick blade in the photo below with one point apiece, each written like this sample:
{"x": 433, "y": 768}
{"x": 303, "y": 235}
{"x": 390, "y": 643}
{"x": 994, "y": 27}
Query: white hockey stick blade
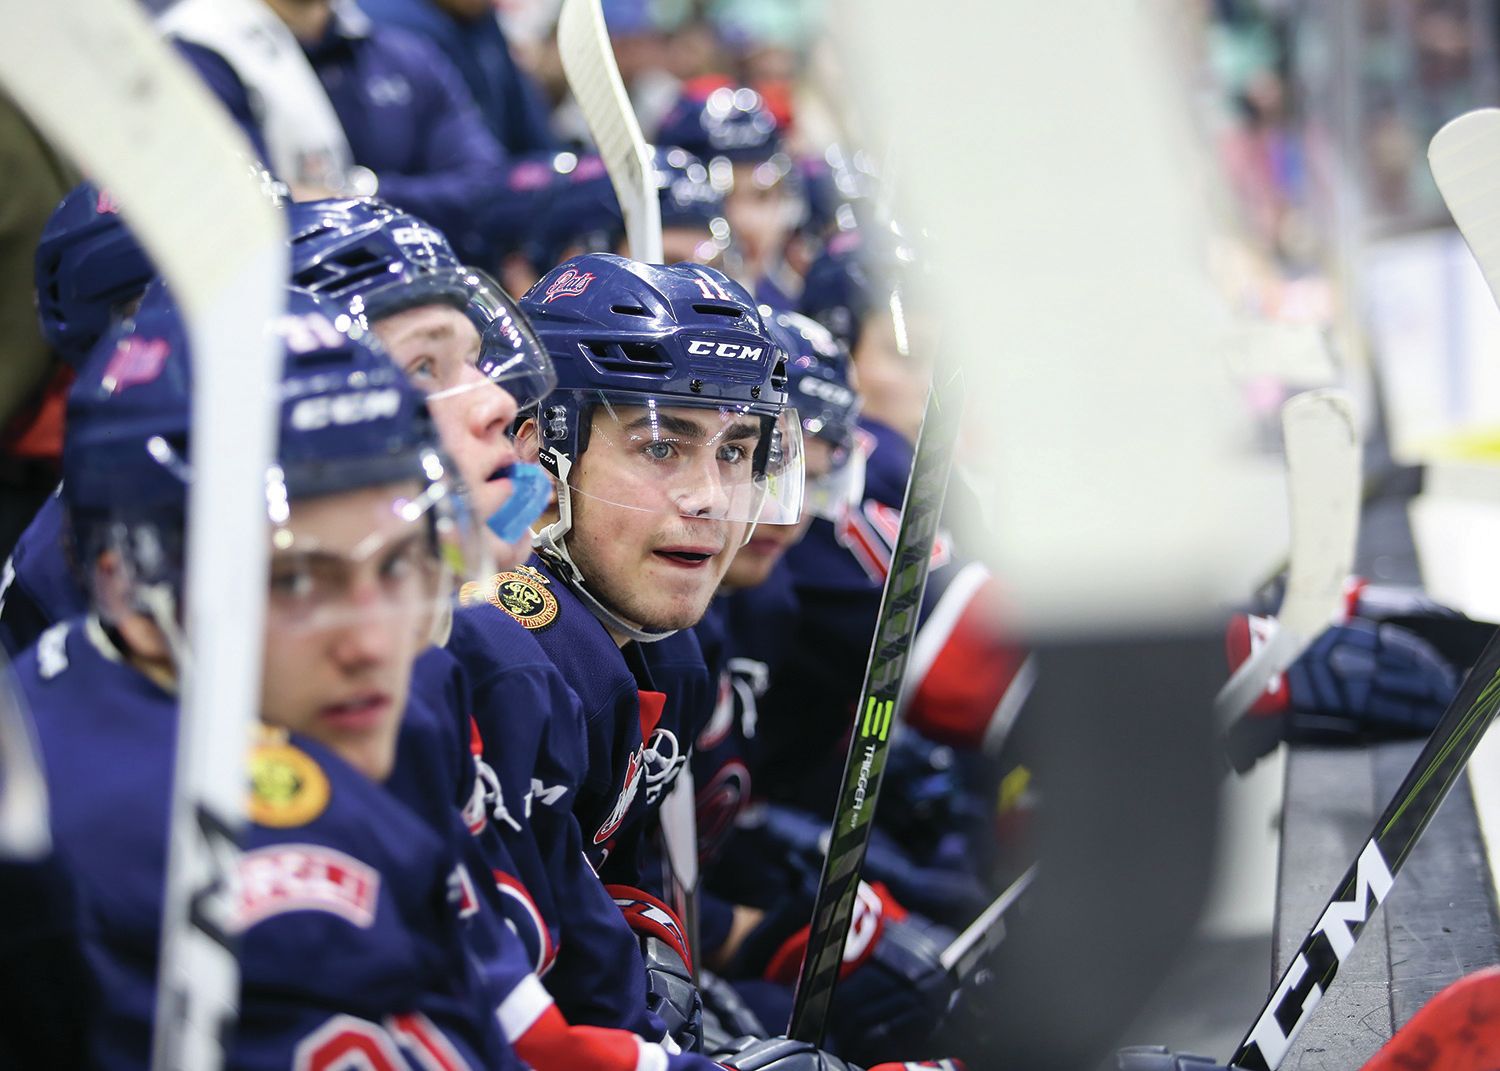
{"x": 1465, "y": 160}
{"x": 679, "y": 823}
{"x": 593, "y": 76}
{"x": 1323, "y": 488}
{"x": 987, "y": 929}
{"x": 133, "y": 116}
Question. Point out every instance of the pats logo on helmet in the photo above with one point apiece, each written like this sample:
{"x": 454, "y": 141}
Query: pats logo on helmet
{"x": 569, "y": 284}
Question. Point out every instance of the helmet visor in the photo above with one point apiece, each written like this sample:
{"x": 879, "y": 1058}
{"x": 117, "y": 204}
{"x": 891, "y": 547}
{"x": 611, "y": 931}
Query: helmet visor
{"x": 665, "y": 455}
{"x": 391, "y": 552}
{"x": 498, "y": 340}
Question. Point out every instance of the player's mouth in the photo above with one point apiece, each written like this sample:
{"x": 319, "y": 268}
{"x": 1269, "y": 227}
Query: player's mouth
{"x": 359, "y": 713}
{"x": 686, "y": 557}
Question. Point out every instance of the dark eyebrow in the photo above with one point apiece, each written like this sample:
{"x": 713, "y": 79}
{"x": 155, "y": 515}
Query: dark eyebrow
{"x": 689, "y": 429}
{"x": 673, "y": 425}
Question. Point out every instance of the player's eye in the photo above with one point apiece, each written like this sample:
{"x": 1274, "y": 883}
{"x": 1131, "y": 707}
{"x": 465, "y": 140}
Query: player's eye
{"x": 405, "y": 562}
{"x": 290, "y": 582}
{"x": 423, "y": 373}
{"x": 658, "y": 451}
{"x": 732, "y": 453}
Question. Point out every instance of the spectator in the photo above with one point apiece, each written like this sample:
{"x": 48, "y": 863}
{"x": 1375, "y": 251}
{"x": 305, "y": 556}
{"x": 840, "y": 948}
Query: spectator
{"x": 338, "y": 105}
{"x": 470, "y": 36}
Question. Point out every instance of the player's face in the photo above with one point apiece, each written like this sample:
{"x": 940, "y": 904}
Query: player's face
{"x": 353, "y": 586}
{"x": 769, "y": 542}
{"x": 651, "y": 551}
{"x": 689, "y": 245}
{"x": 759, "y": 216}
{"x": 437, "y": 346}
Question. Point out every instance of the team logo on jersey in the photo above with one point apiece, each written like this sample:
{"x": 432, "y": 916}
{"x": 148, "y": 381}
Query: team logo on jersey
{"x": 523, "y": 593}
{"x": 570, "y": 283}
{"x": 287, "y": 786}
{"x": 627, "y": 796}
{"x": 135, "y": 361}
{"x": 305, "y": 877}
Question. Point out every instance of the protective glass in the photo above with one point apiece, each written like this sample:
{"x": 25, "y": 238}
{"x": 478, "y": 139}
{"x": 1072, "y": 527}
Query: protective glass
{"x": 664, "y": 455}
{"x": 397, "y": 550}
{"x": 498, "y": 342}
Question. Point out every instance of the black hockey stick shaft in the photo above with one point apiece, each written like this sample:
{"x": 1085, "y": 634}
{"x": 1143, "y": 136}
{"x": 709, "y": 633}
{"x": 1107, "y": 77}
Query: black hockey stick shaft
{"x": 1369, "y": 880}
{"x": 896, "y": 624}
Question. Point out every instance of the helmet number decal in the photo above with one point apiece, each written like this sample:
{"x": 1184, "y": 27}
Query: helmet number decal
{"x": 712, "y": 288}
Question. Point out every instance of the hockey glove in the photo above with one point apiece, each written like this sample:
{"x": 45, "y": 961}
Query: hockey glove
{"x": 670, "y": 993}
{"x": 1358, "y": 679}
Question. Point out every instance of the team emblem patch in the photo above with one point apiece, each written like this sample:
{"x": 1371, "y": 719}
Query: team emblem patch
{"x": 287, "y": 787}
{"x": 570, "y": 283}
{"x": 523, "y": 593}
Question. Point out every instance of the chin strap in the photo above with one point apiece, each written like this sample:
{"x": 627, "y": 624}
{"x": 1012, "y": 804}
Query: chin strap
{"x": 549, "y": 543}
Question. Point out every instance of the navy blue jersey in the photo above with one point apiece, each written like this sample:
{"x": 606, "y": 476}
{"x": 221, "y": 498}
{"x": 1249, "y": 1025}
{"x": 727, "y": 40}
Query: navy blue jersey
{"x": 960, "y": 673}
{"x": 38, "y": 588}
{"x": 352, "y": 939}
{"x": 642, "y": 706}
{"x": 530, "y": 733}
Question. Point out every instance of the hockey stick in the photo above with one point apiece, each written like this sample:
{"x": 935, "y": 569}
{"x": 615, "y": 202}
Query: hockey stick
{"x": 1368, "y": 881}
{"x": 593, "y": 76}
{"x": 1465, "y": 160}
{"x": 900, "y": 606}
{"x": 1323, "y": 490}
{"x": 986, "y": 932}
{"x": 132, "y": 115}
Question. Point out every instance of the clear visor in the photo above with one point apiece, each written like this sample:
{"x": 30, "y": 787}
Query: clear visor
{"x": 393, "y": 552}
{"x": 456, "y": 331}
{"x": 837, "y": 488}
{"x": 660, "y": 455}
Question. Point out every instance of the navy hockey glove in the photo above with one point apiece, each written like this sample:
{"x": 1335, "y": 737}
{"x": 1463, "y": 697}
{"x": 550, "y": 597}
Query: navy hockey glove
{"x": 1358, "y": 679}
{"x": 670, "y": 993}
{"x": 1157, "y": 1058}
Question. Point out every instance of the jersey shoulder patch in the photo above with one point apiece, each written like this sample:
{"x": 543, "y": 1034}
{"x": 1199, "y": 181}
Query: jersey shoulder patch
{"x": 523, "y": 593}
{"x": 287, "y": 786}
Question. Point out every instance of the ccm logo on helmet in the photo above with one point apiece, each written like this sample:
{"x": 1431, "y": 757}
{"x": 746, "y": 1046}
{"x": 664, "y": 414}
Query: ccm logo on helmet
{"x": 823, "y": 390}
{"x": 358, "y": 407}
{"x": 703, "y": 348}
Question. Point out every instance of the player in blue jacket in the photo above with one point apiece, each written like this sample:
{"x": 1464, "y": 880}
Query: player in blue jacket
{"x": 350, "y": 914}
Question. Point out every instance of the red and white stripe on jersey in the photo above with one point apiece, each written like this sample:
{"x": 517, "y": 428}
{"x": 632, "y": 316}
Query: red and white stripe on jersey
{"x": 649, "y": 916}
{"x": 305, "y": 877}
{"x": 870, "y": 533}
{"x": 545, "y": 954}
{"x": 965, "y": 684}
{"x": 553, "y": 1044}
{"x": 348, "y": 1043}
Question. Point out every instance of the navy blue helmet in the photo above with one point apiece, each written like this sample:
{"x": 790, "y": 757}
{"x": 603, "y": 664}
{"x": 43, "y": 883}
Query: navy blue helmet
{"x": 348, "y": 419}
{"x": 725, "y": 123}
{"x": 89, "y": 268}
{"x": 858, "y": 272}
{"x": 670, "y": 375}
{"x": 818, "y": 379}
{"x": 376, "y": 261}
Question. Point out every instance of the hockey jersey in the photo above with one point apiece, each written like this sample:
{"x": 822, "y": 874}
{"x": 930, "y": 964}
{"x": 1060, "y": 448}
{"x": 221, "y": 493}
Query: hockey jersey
{"x": 349, "y": 916}
{"x": 530, "y": 741}
{"x": 642, "y": 705}
{"x": 37, "y": 588}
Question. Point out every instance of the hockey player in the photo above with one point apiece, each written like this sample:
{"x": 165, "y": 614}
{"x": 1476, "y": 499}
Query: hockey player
{"x": 333, "y": 861}
{"x": 583, "y": 215}
{"x": 736, "y": 136}
{"x": 89, "y": 269}
{"x": 666, "y": 438}
{"x": 454, "y": 332}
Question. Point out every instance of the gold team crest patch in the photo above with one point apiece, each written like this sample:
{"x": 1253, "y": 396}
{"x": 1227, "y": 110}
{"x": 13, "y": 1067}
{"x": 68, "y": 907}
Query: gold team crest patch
{"x": 287, "y": 786}
{"x": 523, "y": 593}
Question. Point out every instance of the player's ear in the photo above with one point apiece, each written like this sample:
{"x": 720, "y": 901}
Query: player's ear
{"x": 527, "y": 446}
